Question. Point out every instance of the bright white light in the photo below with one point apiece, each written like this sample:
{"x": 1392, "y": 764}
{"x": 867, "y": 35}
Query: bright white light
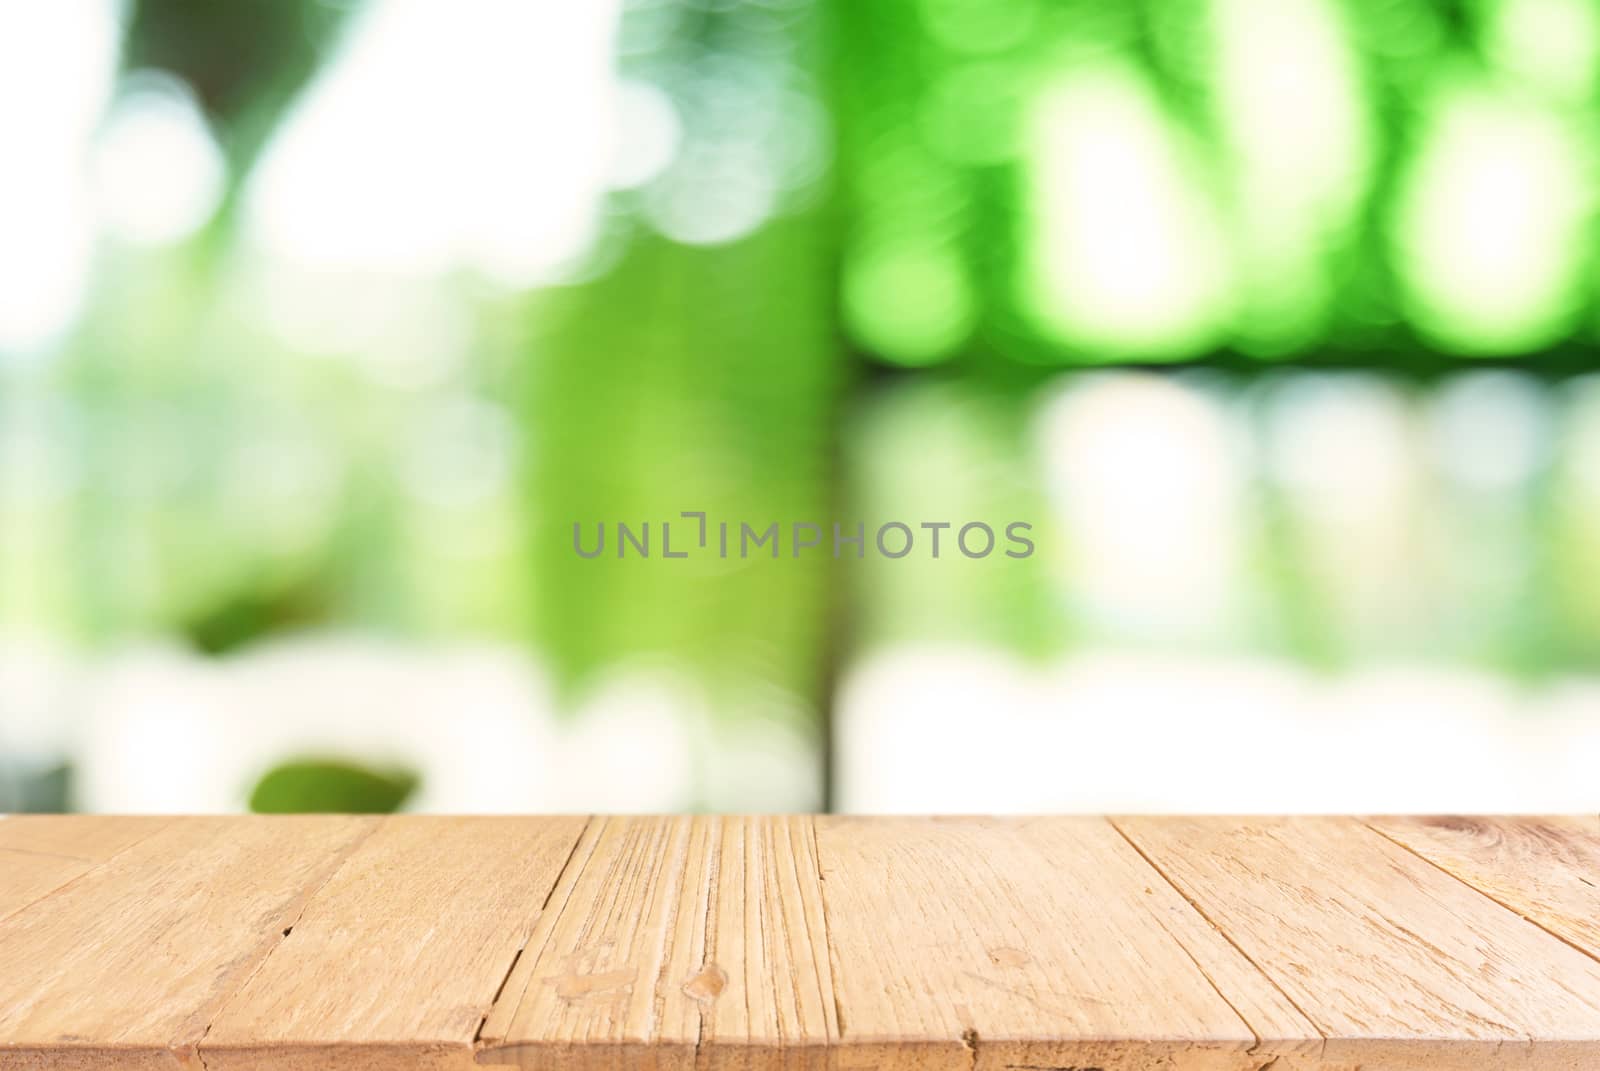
{"x": 973, "y": 730}
{"x": 1291, "y": 105}
{"x": 1290, "y": 96}
{"x": 167, "y": 731}
{"x": 497, "y": 158}
{"x": 1551, "y": 44}
{"x": 939, "y": 760}
{"x": 155, "y": 726}
{"x": 158, "y": 174}
{"x": 1492, "y": 221}
{"x": 648, "y": 133}
{"x": 1148, "y": 483}
{"x": 37, "y": 721}
{"x": 56, "y": 65}
{"x": 44, "y": 262}
{"x": 630, "y": 749}
{"x": 1124, "y": 255}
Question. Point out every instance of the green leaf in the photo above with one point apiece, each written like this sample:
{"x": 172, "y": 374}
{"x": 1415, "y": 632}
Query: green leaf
{"x": 322, "y": 786}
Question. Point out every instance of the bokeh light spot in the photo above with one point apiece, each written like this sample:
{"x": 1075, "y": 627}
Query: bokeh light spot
{"x": 158, "y": 173}
{"x": 909, "y": 303}
{"x": 1124, "y": 250}
{"x": 1491, "y": 224}
{"x": 1553, "y": 45}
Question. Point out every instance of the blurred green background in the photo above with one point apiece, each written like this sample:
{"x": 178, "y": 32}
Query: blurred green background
{"x": 322, "y": 322}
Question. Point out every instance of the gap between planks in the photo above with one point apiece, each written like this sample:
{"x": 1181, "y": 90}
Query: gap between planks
{"x": 514, "y": 1031}
{"x": 683, "y": 866}
{"x": 1526, "y": 916}
{"x": 1198, "y": 910}
{"x": 90, "y": 863}
{"x": 340, "y": 858}
{"x": 511, "y": 968}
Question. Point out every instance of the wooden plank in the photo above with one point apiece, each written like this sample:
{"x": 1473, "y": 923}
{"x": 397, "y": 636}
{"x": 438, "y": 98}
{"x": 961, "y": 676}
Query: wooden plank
{"x": 1032, "y": 943}
{"x": 418, "y": 929}
{"x": 26, "y": 877}
{"x": 672, "y": 941}
{"x": 1043, "y": 944}
{"x": 42, "y": 853}
{"x": 1545, "y": 869}
{"x": 125, "y": 966}
{"x": 764, "y": 984}
{"x": 82, "y": 836}
{"x": 1398, "y": 964}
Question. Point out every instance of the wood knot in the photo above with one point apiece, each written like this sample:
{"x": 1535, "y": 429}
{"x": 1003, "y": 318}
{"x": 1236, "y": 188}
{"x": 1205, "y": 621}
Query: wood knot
{"x": 1008, "y": 957}
{"x": 707, "y": 984}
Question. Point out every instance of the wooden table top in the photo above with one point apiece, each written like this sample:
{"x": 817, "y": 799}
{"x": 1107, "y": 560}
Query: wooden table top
{"x": 1032, "y": 944}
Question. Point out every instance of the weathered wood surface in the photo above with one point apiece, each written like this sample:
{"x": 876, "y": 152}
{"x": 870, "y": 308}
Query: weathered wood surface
{"x": 1030, "y": 944}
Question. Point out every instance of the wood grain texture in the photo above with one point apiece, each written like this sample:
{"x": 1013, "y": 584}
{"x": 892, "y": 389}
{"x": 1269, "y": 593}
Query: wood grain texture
{"x": 42, "y": 853}
{"x": 422, "y": 923}
{"x": 1545, "y": 869}
{"x": 1398, "y": 964}
{"x": 127, "y": 965}
{"x": 674, "y": 941}
{"x": 1010, "y": 943}
{"x": 846, "y": 944}
{"x": 95, "y": 838}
